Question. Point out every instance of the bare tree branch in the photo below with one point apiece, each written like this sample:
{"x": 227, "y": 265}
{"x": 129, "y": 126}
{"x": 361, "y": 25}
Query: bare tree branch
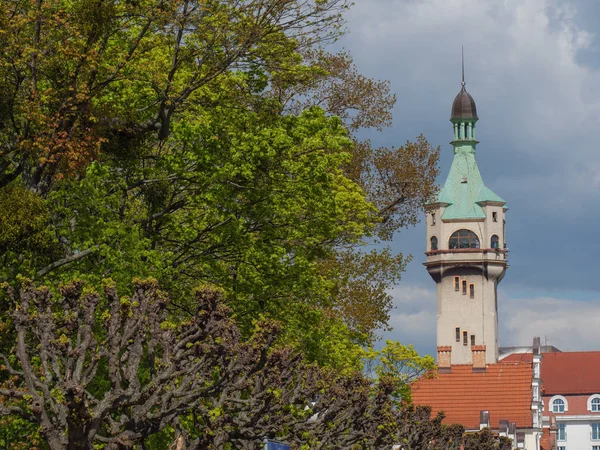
{"x": 64, "y": 261}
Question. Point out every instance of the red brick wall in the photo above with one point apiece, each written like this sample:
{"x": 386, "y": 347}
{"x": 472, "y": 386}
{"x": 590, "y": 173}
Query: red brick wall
{"x": 478, "y": 356}
{"x": 444, "y": 356}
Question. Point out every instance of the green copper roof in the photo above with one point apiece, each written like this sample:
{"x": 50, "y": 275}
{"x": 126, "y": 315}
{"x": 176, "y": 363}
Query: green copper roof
{"x": 464, "y": 188}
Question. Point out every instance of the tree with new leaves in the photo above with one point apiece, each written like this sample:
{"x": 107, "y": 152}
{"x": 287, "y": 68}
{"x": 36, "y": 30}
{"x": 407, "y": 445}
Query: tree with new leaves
{"x": 167, "y": 138}
{"x": 485, "y": 440}
{"x": 105, "y": 370}
{"x": 80, "y": 74}
{"x": 401, "y": 364}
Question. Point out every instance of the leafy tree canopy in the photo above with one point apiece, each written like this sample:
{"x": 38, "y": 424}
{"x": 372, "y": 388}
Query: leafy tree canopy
{"x": 205, "y": 141}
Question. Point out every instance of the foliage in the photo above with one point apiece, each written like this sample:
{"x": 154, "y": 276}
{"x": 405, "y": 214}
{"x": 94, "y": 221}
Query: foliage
{"x": 401, "y": 364}
{"x": 75, "y": 72}
{"x": 485, "y": 440}
{"x": 205, "y": 141}
{"x": 114, "y": 372}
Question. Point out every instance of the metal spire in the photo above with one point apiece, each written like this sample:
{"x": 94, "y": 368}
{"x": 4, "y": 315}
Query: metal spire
{"x": 462, "y": 50}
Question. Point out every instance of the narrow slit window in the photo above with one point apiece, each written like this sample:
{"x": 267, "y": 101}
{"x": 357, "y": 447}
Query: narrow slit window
{"x": 465, "y": 338}
{"x": 495, "y": 241}
{"x": 472, "y": 290}
{"x": 456, "y": 283}
{"x": 494, "y": 216}
{"x": 472, "y": 340}
{"x": 432, "y": 218}
{"x": 434, "y": 243}
{"x": 457, "y": 334}
{"x": 464, "y": 285}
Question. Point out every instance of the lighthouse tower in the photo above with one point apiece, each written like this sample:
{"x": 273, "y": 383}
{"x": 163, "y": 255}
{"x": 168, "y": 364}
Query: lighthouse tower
{"x": 466, "y": 254}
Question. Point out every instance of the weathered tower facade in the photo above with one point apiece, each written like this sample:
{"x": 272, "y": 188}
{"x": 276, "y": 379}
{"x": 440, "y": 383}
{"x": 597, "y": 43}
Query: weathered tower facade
{"x": 466, "y": 252}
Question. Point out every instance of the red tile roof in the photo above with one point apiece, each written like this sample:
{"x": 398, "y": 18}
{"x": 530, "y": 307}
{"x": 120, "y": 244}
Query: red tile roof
{"x": 571, "y": 373}
{"x": 518, "y": 357}
{"x": 567, "y": 372}
{"x": 504, "y": 389}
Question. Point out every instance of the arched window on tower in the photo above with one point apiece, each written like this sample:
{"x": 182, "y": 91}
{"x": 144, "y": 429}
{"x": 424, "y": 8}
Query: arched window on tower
{"x": 463, "y": 239}
{"x": 495, "y": 241}
{"x": 434, "y": 243}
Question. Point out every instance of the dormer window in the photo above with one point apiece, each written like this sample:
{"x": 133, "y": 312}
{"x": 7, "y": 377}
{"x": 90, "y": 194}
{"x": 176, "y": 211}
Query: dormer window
{"x": 558, "y": 405}
{"x": 463, "y": 239}
{"x": 593, "y": 403}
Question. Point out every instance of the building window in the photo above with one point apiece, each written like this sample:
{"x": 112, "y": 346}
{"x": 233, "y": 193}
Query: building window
{"x": 457, "y": 283}
{"x": 472, "y": 290}
{"x": 562, "y": 447}
{"x": 558, "y": 405}
{"x": 457, "y": 334}
{"x": 463, "y": 239}
{"x": 434, "y": 243}
{"x": 464, "y": 285}
{"x": 595, "y": 404}
{"x": 495, "y": 242}
{"x": 465, "y": 338}
{"x": 432, "y": 218}
{"x": 472, "y": 340}
{"x": 596, "y": 431}
{"x": 594, "y": 447}
{"x": 562, "y": 432}
{"x": 494, "y": 216}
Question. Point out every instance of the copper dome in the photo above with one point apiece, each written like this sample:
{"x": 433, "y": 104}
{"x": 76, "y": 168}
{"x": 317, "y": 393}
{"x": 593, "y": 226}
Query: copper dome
{"x": 463, "y": 106}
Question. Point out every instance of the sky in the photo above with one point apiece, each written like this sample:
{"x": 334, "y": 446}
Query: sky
{"x": 533, "y": 68}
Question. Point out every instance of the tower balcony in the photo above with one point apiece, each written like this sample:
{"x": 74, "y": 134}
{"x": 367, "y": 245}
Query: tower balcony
{"x": 491, "y": 260}
{"x": 467, "y": 255}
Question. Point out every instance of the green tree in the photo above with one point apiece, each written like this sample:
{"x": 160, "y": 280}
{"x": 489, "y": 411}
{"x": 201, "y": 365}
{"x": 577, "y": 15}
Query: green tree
{"x": 402, "y": 365}
{"x": 184, "y": 140}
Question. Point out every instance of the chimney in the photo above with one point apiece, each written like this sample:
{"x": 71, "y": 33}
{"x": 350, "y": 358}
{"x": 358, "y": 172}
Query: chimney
{"x": 503, "y": 428}
{"x": 553, "y": 431}
{"x": 444, "y": 358}
{"x": 537, "y": 359}
{"x": 484, "y": 419}
{"x": 478, "y": 358}
{"x": 536, "y": 345}
{"x": 512, "y": 433}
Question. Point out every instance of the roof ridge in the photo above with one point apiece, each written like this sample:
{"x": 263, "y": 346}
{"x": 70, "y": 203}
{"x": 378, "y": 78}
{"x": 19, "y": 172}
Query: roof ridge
{"x": 572, "y": 353}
